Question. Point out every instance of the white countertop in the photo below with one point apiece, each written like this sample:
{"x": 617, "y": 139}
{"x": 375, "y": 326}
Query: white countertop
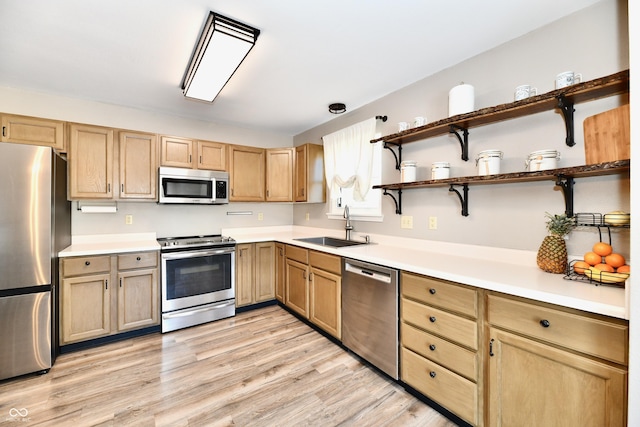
{"x": 509, "y": 271}
{"x": 99, "y": 244}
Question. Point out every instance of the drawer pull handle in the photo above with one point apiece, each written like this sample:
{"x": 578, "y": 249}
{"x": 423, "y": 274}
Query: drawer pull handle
{"x": 432, "y": 374}
{"x": 432, "y": 291}
{"x": 432, "y": 347}
{"x": 87, "y": 263}
{"x": 138, "y": 258}
{"x": 432, "y": 319}
{"x": 545, "y": 323}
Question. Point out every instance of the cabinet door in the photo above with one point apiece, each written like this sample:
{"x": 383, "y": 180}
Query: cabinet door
{"x": 212, "y": 156}
{"x": 176, "y": 152}
{"x": 280, "y": 175}
{"x": 300, "y": 174}
{"x": 246, "y": 174}
{"x": 280, "y": 272}
{"x": 297, "y": 292}
{"x": 137, "y": 299}
{"x": 265, "y": 272}
{"x": 90, "y": 162}
{"x": 244, "y": 274}
{"x": 85, "y": 308}
{"x": 532, "y": 384}
{"x": 325, "y": 301}
{"x": 32, "y": 130}
{"x": 309, "y": 182}
{"x": 138, "y": 165}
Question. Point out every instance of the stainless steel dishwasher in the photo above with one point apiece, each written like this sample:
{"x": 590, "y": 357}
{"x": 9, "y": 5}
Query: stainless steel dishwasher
{"x": 370, "y": 313}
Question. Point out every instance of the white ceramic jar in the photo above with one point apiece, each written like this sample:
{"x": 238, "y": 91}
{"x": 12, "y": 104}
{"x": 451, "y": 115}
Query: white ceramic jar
{"x": 542, "y": 160}
{"x": 440, "y": 170}
{"x": 488, "y": 162}
{"x": 408, "y": 171}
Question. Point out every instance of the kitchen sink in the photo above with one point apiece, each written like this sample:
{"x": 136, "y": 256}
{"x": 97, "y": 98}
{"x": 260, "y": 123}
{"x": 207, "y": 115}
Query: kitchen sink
{"x": 330, "y": 241}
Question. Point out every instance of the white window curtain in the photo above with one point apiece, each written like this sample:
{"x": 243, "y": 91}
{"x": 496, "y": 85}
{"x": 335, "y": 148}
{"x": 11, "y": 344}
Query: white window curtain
{"x": 348, "y": 158}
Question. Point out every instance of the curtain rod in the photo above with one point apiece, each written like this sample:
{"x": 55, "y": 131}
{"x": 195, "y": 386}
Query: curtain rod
{"x": 383, "y": 118}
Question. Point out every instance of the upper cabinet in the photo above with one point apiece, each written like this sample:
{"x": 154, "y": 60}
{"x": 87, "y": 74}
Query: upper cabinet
{"x": 212, "y": 155}
{"x": 246, "y": 174}
{"x": 308, "y": 174}
{"x": 138, "y": 165}
{"x": 90, "y": 162}
{"x": 192, "y": 154}
{"x": 32, "y": 130}
{"x": 280, "y": 174}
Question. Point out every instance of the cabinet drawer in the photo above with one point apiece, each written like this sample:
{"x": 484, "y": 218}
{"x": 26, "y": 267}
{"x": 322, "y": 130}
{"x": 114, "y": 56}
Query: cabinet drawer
{"x": 297, "y": 254}
{"x": 137, "y": 260}
{"x": 85, "y": 265}
{"x": 590, "y": 335}
{"x": 325, "y": 262}
{"x": 440, "y": 293}
{"x": 455, "y": 393}
{"x": 449, "y": 355}
{"x": 442, "y": 323}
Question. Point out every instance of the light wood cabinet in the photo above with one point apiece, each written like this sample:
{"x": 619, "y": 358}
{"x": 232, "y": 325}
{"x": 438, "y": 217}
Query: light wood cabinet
{"x": 309, "y": 182}
{"x": 32, "y": 130}
{"x": 176, "y": 152}
{"x": 280, "y": 271}
{"x": 90, "y": 159}
{"x": 325, "y": 292}
{"x": 279, "y": 174}
{"x": 297, "y": 280}
{"x": 440, "y": 342}
{"x": 138, "y": 165}
{"x": 212, "y": 156}
{"x": 246, "y": 174}
{"x": 107, "y": 294}
{"x": 255, "y": 273}
{"x": 553, "y": 366}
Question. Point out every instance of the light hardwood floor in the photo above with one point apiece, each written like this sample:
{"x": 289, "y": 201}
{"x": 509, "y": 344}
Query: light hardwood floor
{"x": 260, "y": 368}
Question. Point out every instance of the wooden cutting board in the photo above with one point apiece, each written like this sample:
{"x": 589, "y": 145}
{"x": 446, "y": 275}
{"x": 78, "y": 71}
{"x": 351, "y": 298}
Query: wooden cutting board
{"x": 606, "y": 136}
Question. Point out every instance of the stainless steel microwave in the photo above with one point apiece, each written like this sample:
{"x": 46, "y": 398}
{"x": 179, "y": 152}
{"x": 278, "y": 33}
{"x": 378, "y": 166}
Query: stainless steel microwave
{"x": 191, "y": 186}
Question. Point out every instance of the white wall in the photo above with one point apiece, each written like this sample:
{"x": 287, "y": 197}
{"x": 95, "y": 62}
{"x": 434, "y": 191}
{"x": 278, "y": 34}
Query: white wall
{"x": 593, "y": 42}
{"x": 147, "y": 217}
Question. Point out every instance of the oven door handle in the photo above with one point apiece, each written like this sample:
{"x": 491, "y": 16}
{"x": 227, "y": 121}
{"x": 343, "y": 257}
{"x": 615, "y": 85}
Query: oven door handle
{"x": 198, "y": 310}
{"x": 190, "y": 254}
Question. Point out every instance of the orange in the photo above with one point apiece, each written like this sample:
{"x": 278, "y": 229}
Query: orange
{"x": 602, "y": 248}
{"x": 624, "y": 269}
{"x": 615, "y": 260}
{"x": 580, "y": 266}
{"x": 604, "y": 267}
{"x": 592, "y": 258}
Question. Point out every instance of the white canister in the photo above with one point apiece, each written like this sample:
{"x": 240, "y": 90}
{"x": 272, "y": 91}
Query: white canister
{"x": 488, "y": 162}
{"x": 408, "y": 171}
{"x": 461, "y": 99}
{"x": 440, "y": 170}
{"x": 542, "y": 160}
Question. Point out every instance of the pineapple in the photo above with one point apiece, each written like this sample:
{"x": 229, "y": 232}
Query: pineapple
{"x": 552, "y": 255}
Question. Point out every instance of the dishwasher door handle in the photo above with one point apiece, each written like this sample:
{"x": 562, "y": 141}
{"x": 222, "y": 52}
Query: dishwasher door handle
{"x": 375, "y": 275}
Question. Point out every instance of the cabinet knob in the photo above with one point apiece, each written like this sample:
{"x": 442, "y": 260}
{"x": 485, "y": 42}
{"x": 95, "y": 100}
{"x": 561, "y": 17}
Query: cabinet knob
{"x": 432, "y": 319}
{"x": 432, "y": 374}
{"x": 432, "y": 347}
{"x": 545, "y": 323}
{"x": 138, "y": 258}
{"x": 87, "y": 263}
{"x": 432, "y": 291}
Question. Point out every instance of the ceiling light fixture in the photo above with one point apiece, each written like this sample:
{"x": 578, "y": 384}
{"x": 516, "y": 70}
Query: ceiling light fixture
{"x": 223, "y": 45}
{"x": 337, "y": 108}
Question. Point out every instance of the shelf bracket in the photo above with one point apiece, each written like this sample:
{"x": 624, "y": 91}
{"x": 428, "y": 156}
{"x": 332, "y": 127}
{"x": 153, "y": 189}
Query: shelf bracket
{"x": 566, "y": 107}
{"x": 566, "y": 184}
{"x": 398, "y": 156}
{"x": 464, "y": 139}
{"x": 397, "y": 201}
{"x": 464, "y": 197}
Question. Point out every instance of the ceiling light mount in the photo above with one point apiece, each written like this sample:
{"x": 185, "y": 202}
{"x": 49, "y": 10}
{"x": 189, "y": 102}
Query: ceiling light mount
{"x": 337, "y": 108}
{"x": 223, "y": 45}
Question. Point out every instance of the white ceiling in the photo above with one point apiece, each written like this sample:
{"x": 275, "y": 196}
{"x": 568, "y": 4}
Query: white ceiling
{"x": 310, "y": 53}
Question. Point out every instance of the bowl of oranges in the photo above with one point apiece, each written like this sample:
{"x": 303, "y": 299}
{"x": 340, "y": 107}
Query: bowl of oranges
{"x": 603, "y": 265}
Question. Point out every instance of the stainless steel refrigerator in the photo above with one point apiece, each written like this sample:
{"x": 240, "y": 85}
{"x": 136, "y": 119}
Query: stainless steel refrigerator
{"x": 35, "y": 224}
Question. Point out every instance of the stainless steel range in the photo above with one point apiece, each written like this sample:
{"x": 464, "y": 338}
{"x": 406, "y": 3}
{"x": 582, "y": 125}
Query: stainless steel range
{"x": 198, "y": 280}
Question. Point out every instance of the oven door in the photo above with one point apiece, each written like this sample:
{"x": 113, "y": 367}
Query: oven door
{"x": 193, "y": 278}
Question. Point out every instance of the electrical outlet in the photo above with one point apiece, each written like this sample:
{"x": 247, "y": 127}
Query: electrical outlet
{"x": 306, "y": 217}
{"x": 128, "y": 219}
{"x": 406, "y": 221}
{"x": 260, "y": 216}
{"x": 433, "y": 223}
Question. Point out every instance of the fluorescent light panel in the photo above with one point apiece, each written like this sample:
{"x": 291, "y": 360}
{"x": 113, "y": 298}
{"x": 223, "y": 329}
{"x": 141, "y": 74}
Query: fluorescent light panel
{"x": 223, "y": 45}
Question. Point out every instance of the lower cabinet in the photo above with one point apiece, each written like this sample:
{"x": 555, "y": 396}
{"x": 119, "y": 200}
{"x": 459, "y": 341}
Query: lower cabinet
{"x": 107, "y": 294}
{"x": 255, "y": 273}
{"x": 313, "y": 287}
{"x": 280, "y": 271}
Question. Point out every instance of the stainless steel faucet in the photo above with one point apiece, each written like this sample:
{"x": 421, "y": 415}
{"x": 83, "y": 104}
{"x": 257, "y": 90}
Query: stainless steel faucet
{"x": 347, "y": 226}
